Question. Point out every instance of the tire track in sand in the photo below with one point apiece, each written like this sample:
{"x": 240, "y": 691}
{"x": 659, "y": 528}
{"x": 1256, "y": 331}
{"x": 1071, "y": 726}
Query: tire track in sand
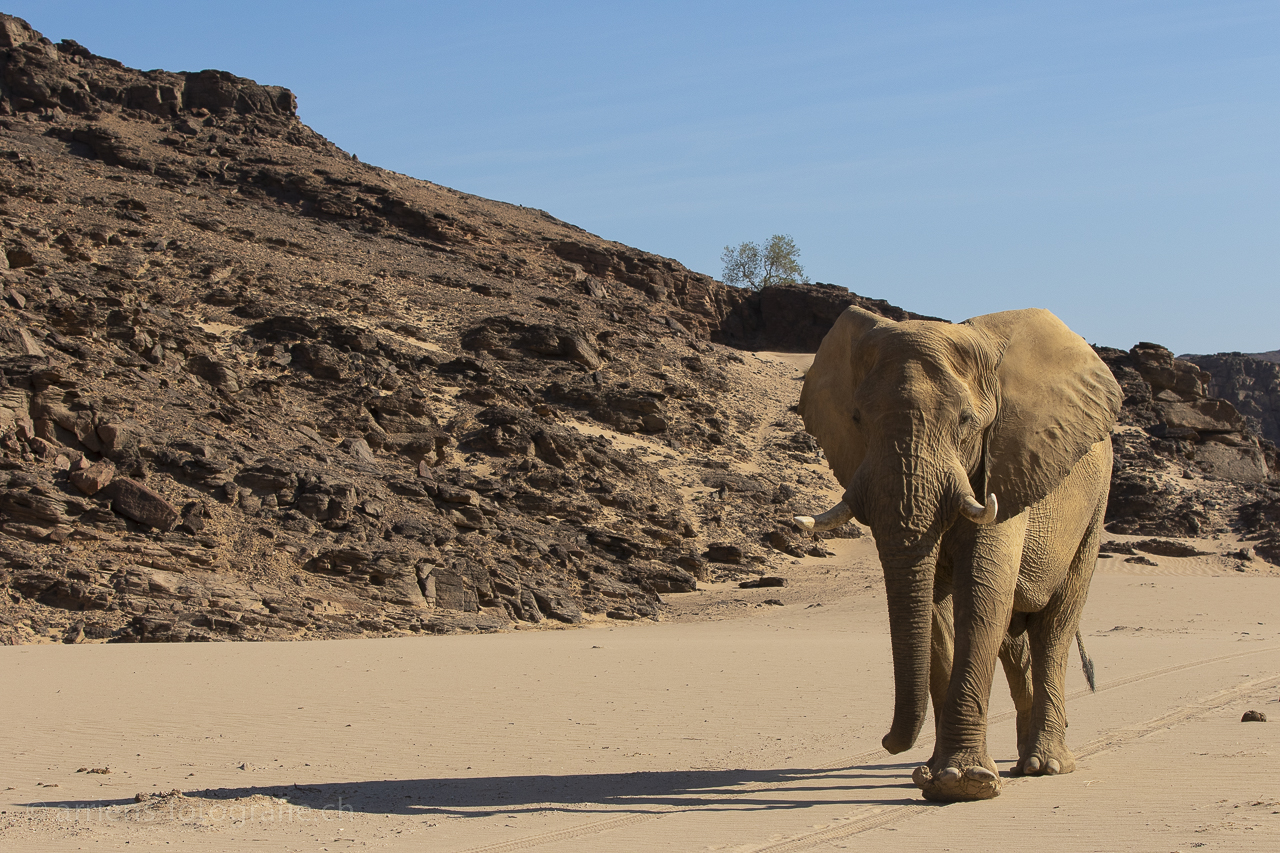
{"x": 885, "y": 815}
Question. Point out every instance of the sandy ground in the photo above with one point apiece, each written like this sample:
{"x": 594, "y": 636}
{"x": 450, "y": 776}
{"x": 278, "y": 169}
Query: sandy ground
{"x": 755, "y": 729}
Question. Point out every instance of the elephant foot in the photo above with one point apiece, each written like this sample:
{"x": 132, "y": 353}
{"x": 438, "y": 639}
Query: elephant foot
{"x": 952, "y": 783}
{"x": 1046, "y": 759}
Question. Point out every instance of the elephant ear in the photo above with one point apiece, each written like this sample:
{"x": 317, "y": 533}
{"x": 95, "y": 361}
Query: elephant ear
{"x": 1057, "y": 399}
{"x": 826, "y": 401}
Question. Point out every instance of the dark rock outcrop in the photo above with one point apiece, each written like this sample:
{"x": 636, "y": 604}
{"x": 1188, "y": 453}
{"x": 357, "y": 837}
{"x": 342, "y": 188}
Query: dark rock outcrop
{"x": 39, "y": 76}
{"x": 794, "y": 317}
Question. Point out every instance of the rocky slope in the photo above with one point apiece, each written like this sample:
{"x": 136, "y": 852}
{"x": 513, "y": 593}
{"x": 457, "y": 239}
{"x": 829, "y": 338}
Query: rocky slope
{"x": 253, "y": 388}
{"x": 1188, "y": 464}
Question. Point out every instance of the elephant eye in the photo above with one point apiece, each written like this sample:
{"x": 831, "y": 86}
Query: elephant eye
{"x": 857, "y": 417}
{"x": 966, "y": 418}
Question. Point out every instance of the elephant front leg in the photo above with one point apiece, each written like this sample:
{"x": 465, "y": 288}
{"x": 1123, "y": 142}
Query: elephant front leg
{"x": 983, "y": 585}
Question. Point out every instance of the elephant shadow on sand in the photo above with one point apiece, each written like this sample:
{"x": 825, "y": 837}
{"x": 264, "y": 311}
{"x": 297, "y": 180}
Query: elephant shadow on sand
{"x": 604, "y": 793}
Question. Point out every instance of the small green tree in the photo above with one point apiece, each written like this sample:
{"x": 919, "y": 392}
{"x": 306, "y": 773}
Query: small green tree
{"x": 749, "y": 265}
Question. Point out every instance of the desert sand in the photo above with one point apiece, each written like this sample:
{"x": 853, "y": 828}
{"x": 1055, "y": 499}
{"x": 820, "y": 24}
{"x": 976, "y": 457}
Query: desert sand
{"x": 734, "y": 725}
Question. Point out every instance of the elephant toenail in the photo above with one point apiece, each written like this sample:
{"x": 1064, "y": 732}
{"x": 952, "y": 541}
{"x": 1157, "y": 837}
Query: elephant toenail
{"x": 922, "y": 775}
{"x": 980, "y": 774}
{"x": 1032, "y": 765}
{"x": 950, "y": 774}
{"x": 1052, "y": 767}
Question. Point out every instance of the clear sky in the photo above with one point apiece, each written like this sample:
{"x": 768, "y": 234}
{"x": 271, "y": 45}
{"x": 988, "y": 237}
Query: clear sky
{"x": 1116, "y": 162}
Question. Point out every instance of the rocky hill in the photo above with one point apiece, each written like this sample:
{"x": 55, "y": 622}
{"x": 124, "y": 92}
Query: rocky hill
{"x": 253, "y": 388}
{"x": 1250, "y": 383}
{"x": 1188, "y": 464}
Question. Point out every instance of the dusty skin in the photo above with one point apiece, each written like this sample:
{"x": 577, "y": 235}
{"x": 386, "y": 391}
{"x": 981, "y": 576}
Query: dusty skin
{"x": 735, "y": 724}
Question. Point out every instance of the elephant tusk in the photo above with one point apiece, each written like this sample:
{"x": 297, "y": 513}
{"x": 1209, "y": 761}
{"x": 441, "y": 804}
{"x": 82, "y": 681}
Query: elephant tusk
{"x": 976, "y": 512}
{"x": 829, "y": 520}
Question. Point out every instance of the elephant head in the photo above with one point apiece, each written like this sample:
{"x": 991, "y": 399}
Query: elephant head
{"x": 928, "y": 424}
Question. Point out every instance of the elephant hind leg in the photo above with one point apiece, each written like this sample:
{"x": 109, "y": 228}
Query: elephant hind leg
{"x": 1051, "y": 632}
{"x": 941, "y": 653}
{"x": 1044, "y": 750}
{"x": 1015, "y": 656}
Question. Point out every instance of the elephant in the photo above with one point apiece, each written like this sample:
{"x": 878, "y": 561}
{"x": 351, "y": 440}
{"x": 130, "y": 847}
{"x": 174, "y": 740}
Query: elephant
{"x": 919, "y": 417}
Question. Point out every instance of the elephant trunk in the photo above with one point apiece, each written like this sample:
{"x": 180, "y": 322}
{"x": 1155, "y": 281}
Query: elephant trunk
{"x": 909, "y": 584}
{"x": 909, "y": 521}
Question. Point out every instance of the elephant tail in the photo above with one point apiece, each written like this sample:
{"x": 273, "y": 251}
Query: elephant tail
{"x": 1086, "y": 662}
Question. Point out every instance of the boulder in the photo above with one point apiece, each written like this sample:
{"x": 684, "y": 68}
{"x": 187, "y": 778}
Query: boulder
{"x": 1201, "y": 415}
{"x": 1163, "y": 372}
{"x": 558, "y": 604}
{"x": 1244, "y": 464}
{"x": 93, "y": 479}
{"x": 658, "y": 577}
{"x": 763, "y": 582}
{"x": 214, "y": 372}
{"x": 725, "y": 553}
{"x": 134, "y": 500}
{"x": 118, "y": 439}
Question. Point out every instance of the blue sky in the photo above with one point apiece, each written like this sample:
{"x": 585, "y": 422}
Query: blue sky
{"x": 1116, "y": 162}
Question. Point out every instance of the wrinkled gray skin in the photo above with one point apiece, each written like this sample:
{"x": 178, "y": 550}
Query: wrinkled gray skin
{"x": 979, "y": 454}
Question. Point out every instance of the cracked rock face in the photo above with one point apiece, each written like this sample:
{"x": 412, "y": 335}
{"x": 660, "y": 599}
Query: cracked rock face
{"x": 1250, "y": 384}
